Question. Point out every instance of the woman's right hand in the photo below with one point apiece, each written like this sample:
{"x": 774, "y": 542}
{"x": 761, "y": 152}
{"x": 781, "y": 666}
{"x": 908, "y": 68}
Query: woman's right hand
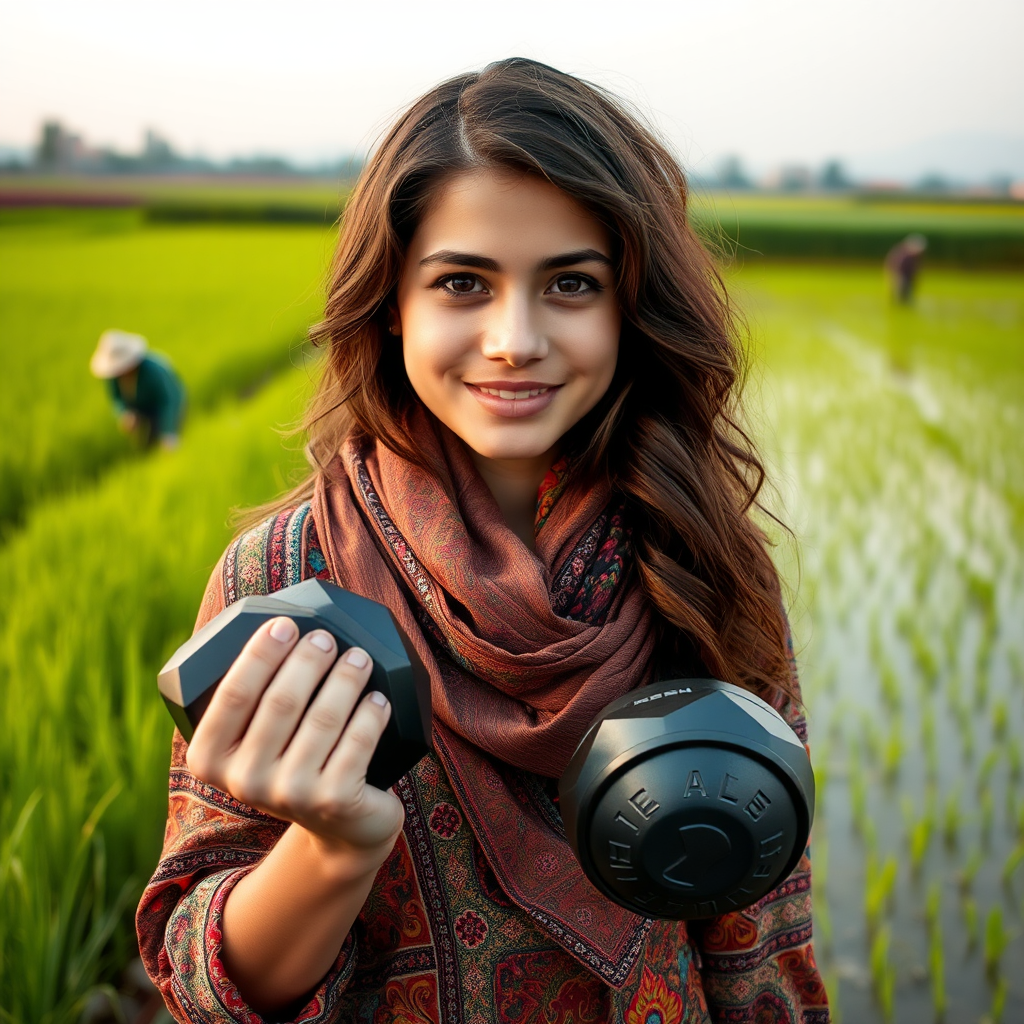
{"x": 262, "y": 741}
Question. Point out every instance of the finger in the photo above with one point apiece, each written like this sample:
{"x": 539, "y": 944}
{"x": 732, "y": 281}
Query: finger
{"x": 235, "y": 700}
{"x": 284, "y": 702}
{"x": 326, "y": 718}
{"x": 351, "y": 757}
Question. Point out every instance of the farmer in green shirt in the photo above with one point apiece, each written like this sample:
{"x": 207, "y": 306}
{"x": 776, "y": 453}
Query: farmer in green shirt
{"x": 147, "y": 394}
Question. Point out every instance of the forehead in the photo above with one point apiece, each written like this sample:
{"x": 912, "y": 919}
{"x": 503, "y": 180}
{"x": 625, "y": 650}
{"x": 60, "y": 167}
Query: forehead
{"x": 488, "y": 211}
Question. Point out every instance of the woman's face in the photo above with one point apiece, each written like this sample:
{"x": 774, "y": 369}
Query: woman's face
{"x": 507, "y": 312}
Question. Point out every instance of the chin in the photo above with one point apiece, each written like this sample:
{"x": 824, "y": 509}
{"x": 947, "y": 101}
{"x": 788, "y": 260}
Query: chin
{"x": 509, "y": 450}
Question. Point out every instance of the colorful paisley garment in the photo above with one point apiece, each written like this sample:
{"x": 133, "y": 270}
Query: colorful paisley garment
{"x": 439, "y": 939}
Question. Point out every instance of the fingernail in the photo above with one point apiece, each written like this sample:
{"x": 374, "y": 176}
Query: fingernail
{"x": 357, "y": 658}
{"x": 322, "y": 640}
{"x": 283, "y": 630}
{"x": 378, "y": 698}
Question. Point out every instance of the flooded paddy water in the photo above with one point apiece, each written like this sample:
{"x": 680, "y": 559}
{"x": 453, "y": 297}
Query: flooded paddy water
{"x": 895, "y": 435}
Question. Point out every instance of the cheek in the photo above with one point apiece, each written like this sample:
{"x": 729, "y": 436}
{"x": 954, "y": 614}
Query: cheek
{"x": 429, "y": 355}
{"x": 597, "y": 346}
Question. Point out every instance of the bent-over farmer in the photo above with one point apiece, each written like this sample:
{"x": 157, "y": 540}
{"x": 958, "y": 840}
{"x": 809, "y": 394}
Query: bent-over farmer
{"x": 148, "y": 396}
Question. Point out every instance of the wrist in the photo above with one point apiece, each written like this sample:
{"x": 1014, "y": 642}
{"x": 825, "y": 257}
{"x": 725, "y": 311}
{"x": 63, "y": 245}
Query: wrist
{"x": 343, "y": 862}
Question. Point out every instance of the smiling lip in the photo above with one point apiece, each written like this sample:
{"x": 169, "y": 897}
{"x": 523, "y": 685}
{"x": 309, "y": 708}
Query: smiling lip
{"x": 513, "y": 398}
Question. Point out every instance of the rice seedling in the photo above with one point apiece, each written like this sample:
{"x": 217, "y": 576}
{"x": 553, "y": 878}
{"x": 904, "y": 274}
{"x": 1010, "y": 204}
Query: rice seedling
{"x": 987, "y": 805}
{"x": 995, "y": 941}
{"x": 967, "y": 738}
{"x": 999, "y": 994}
{"x": 952, "y": 817}
{"x": 950, "y": 641}
{"x": 970, "y": 908}
{"x": 919, "y": 837}
{"x": 1016, "y": 659}
{"x": 933, "y": 907}
{"x": 889, "y": 681}
{"x": 924, "y": 657}
{"x": 821, "y": 780}
{"x": 981, "y": 590}
{"x": 858, "y": 802}
{"x": 824, "y": 683}
{"x": 981, "y": 684}
{"x": 1000, "y": 719}
{"x": 986, "y": 768}
{"x": 958, "y": 704}
{"x": 929, "y": 742}
{"x": 937, "y": 973}
{"x": 873, "y": 742}
{"x": 1013, "y": 757}
{"x": 883, "y": 975}
{"x": 969, "y": 870}
{"x": 892, "y": 755}
{"x": 1012, "y": 863}
{"x": 822, "y": 917}
{"x": 836, "y": 724}
{"x": 876, "y": 646}
{"x": 879, "y": 884}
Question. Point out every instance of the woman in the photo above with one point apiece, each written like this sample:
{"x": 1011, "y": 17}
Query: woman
{"x": 524, "y": 446}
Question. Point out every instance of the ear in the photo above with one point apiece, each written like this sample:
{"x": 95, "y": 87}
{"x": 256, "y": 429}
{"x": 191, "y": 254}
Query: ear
{"x": 394, "y": 322}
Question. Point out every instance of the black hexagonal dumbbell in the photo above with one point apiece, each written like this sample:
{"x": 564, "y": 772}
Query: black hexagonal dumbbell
{"x": 188, "y": 680}
{"x": 688, "y": 799}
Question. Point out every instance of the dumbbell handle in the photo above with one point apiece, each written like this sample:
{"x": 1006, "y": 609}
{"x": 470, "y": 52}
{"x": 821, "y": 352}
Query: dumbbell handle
{"x": 188, "y": 680}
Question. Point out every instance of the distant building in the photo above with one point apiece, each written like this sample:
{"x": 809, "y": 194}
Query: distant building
{"x": 789, "y": 178}
{"x": 933, "y": 182}
{"x": 59, "y": 149}
{"x": 730, "y": 173}
{"x": 883, "y": 186}
{"x": 157, "y": 153}
{"x": 834, "y": 177}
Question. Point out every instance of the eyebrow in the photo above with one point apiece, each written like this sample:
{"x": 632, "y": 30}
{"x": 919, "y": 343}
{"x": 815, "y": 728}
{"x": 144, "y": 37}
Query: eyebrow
{"x": 449, "y": 257}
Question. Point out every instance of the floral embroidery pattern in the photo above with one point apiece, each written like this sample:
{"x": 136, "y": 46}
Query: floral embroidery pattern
{"x": 530, "y": 987}
{"x": 547, "y": 494}
{"x": 584, "y": 588}
{"x": 471, "y": 929}
{"x": 409, "y": 1001}
{"x": 445, "y": 820}
{"x": 654, "y": 1003}
{"x": 546, "y": 864}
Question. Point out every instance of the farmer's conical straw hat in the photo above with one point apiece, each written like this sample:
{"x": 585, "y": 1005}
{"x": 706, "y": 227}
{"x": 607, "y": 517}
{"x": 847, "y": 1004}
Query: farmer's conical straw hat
{"x": 117, "y": 353}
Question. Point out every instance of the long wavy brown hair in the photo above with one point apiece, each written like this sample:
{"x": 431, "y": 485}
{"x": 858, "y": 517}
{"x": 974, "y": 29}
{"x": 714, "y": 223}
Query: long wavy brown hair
{"x": 667, "y": 433}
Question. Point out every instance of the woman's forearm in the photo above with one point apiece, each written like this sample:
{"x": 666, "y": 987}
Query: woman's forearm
{"x": 285, "y": 922}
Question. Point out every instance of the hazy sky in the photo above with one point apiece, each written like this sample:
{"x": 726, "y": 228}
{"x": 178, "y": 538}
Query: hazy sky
{"x": 772, "y": 79}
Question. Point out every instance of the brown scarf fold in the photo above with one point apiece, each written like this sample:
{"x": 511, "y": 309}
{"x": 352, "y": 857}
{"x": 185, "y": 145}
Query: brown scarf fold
{"x": 523, "y": 650}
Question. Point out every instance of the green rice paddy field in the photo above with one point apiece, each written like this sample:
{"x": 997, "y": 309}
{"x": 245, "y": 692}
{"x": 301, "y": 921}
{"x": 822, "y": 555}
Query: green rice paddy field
{"x": 894, "y": 436}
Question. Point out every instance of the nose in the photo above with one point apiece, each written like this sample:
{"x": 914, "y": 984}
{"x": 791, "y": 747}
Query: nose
{"x": 513, "y": 333}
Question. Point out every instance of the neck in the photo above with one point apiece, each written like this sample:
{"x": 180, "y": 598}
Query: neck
{"x": 514, "y": 484}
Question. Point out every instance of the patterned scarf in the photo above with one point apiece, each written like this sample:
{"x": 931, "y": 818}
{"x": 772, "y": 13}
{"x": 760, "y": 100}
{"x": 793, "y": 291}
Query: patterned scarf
{"x": 523, "y": 650}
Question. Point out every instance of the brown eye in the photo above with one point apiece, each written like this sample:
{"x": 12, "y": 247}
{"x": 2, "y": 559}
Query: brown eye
{"x": 460, "y": 284}
{"x": 574, "y": 284}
